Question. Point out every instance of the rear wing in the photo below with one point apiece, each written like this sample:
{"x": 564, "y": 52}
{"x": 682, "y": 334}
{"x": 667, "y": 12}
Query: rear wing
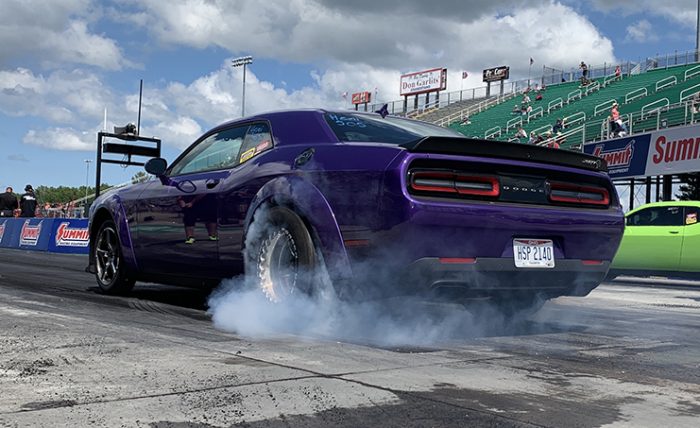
{"x": 503, "y": 150}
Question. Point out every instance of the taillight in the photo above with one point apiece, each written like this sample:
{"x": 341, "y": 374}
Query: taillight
{"x": 576, "y": 194}
{"x": 450, "y": 182}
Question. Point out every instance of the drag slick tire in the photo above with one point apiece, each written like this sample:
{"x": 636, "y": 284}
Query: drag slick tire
{"x": 282, "y": 262}
{"x": 110, "y": 270}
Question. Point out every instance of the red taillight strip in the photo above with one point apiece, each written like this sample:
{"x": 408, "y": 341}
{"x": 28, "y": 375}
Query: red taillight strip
{"x": 448, "y": 182}
{"x": 457, "y": 260}
{"x": 579, "y": 190}
{"x": 495, "y": 188}
{"x": 592, "y": 262}
{"x": 356, "y": 242}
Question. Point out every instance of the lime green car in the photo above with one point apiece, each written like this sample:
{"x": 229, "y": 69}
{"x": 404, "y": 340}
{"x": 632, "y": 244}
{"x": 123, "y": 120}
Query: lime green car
{"x": 660, "y": 238}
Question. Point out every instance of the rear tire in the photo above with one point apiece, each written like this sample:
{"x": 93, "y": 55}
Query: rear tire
{"x": 110, "y": 269}
{"x": 281, "y": 260}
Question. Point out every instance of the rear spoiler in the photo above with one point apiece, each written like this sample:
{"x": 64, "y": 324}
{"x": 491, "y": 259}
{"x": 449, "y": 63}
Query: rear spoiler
{"x": 503, "y": 150}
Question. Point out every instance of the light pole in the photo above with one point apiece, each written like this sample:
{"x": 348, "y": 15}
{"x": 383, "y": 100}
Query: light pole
{"x": 242, "y": 61}
{"x": 87, "y": 178}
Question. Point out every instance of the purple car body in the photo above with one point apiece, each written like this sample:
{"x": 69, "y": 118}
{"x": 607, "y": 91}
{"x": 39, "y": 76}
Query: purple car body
{"x": 384, "y": 200}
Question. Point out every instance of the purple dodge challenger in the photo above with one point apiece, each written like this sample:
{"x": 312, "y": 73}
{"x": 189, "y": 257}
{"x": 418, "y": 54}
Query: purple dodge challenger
{"x": 387, "y": 206}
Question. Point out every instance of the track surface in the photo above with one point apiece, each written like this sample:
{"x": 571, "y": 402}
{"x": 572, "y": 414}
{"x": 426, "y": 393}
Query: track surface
{"x": 627, "y": 355}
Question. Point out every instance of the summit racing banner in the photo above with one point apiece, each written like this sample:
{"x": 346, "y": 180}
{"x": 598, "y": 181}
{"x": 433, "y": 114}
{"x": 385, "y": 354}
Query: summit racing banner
{"x": 674, "y": 151}
{"x": 45, "y": 234}
{"x": 626, "y": 157}
{"x": 70, "y": 236}
{"x": 664, "y": 152}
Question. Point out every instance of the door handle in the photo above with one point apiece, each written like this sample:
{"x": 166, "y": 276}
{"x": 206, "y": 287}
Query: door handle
{"x": 211, "y": 183}
{"x": 673, "y": 232}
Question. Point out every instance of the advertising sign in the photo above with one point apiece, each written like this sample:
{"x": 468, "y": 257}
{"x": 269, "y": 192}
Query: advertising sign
{"x": 626, "y": 157}
{"x": 497, "y": 73}
{"x": 70, "y": 236}
{"x": 424, "y": 81}
{"x": 361, "y": 97}
{"x": 34, "y": 234}
{"x": 674, "y": 151}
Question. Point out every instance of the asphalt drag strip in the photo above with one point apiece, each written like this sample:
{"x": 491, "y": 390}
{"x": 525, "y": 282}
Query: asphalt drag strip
{"x": 626, "y": 355}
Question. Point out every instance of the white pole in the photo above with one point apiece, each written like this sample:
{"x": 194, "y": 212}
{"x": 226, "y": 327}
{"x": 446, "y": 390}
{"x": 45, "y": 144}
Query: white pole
{"x": 87, "y": 178}
{"x": 104, "y": 126}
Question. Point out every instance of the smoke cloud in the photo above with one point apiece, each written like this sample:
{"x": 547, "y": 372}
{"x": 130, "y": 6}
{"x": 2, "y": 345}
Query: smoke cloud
{"x": 238, "y": 306}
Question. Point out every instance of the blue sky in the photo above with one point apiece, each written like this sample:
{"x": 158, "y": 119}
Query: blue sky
{"x": 63, "y": 62}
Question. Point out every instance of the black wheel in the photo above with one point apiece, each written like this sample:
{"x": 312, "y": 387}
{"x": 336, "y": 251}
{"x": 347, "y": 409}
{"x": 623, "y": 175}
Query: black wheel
{"x": 281, "y": 260}
{"x": 110, "y": 271}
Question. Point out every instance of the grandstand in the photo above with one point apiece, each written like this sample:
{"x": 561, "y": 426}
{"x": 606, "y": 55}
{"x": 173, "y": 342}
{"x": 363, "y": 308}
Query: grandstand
{"x": 648, "y": 100}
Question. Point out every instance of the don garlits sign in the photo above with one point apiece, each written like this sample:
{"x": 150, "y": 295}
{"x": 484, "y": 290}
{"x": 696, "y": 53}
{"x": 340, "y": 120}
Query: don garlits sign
{"x": 424, "y": 81}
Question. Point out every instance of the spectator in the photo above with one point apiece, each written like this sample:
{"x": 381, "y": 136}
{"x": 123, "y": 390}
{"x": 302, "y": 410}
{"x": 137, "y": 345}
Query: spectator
{"x": 696, "y": 103}
{"x": 558, "y": 126}
{"x": 8, "y": 203}
{"x": 584, "y": 73}
{"x": 516, "y": 109}
{"x": 526, "y": 98}
{"x": 465, "y": 121}
{"x": 28, "y": 202}
{"x": 528, "y": 110}
{"x": 533, "y": 138}
{"x": 614, "y": 111}
{"x": 538, "y": 97}
{"x": 618, "y": 73}
{"x": 523, "y": 109}
{"x": 521, "y": 133}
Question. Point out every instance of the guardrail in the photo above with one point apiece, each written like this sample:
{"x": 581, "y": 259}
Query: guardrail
{"x": 493, "y": 132}
{"x": 689, "y": 92}
{"x": 544, "y": 128}
{"x": 604, "y": 106}
{"x": 592, "y": 88}
{"x": 575, "y": 94}
{"x": 636, "y": 94}
{"x": 610, "y": 79}
{"x": 691, "y": 72}
{"x": 468, "y": 111}
{"x": 557, "y": 103}
{"x": 514, "y": 122}
{"x": 665, "y": 83}
{"x": 647, "y": 110}
{"x": 536, "y": 112}
{"x": 575, "y": 118}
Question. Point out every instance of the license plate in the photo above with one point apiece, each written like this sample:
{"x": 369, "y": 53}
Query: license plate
{"x": 533, "y": 253}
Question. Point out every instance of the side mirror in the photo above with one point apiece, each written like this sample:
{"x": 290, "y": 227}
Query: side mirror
{"x": 156, "y": 166}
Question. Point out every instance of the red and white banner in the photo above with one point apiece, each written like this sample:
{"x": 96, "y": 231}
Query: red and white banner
{"x": 424, "y": 81}
{"x": 674, "y": 151}
{"x": 361, "y": 97}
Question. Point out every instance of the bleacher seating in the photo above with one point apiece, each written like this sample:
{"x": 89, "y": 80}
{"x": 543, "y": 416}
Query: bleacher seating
{"x": 591, "y": 110}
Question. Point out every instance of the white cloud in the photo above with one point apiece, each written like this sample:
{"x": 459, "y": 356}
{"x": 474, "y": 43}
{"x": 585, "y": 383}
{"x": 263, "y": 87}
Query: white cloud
{"x": 355, "y": 52}
{"x": 641, "y": 32}
{"x": 680, "y": 11}
{"x": 55, "y": 33}
{"x": 386, "y": 35}
{"x": 61, "y": 139}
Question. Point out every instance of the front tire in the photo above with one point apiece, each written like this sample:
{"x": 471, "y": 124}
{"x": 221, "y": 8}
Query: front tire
{"x": 281, "y": 260}
{"x": 110, "y": 270}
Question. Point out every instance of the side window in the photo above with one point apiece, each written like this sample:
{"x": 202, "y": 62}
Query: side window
{"x": 217, "y": 151}
{"x": 691, "y": 215}
{"x": 256, "y": 140}
{"x": 657, "y": 216}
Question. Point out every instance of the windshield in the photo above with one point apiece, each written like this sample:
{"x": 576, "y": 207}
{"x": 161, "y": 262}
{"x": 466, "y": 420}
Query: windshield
{"x": 349, "y": 127}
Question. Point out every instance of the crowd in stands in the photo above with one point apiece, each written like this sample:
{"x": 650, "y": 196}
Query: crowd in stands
{"x": 27, "y": 205}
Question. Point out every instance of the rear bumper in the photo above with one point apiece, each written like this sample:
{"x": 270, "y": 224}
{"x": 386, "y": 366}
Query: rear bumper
{"x": 487, "y": 277}
{"x": 496, "y": 275}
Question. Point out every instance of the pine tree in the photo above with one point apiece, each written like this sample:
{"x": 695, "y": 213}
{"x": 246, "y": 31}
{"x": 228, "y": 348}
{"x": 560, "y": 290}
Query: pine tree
{"x": 690, "y": 187}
